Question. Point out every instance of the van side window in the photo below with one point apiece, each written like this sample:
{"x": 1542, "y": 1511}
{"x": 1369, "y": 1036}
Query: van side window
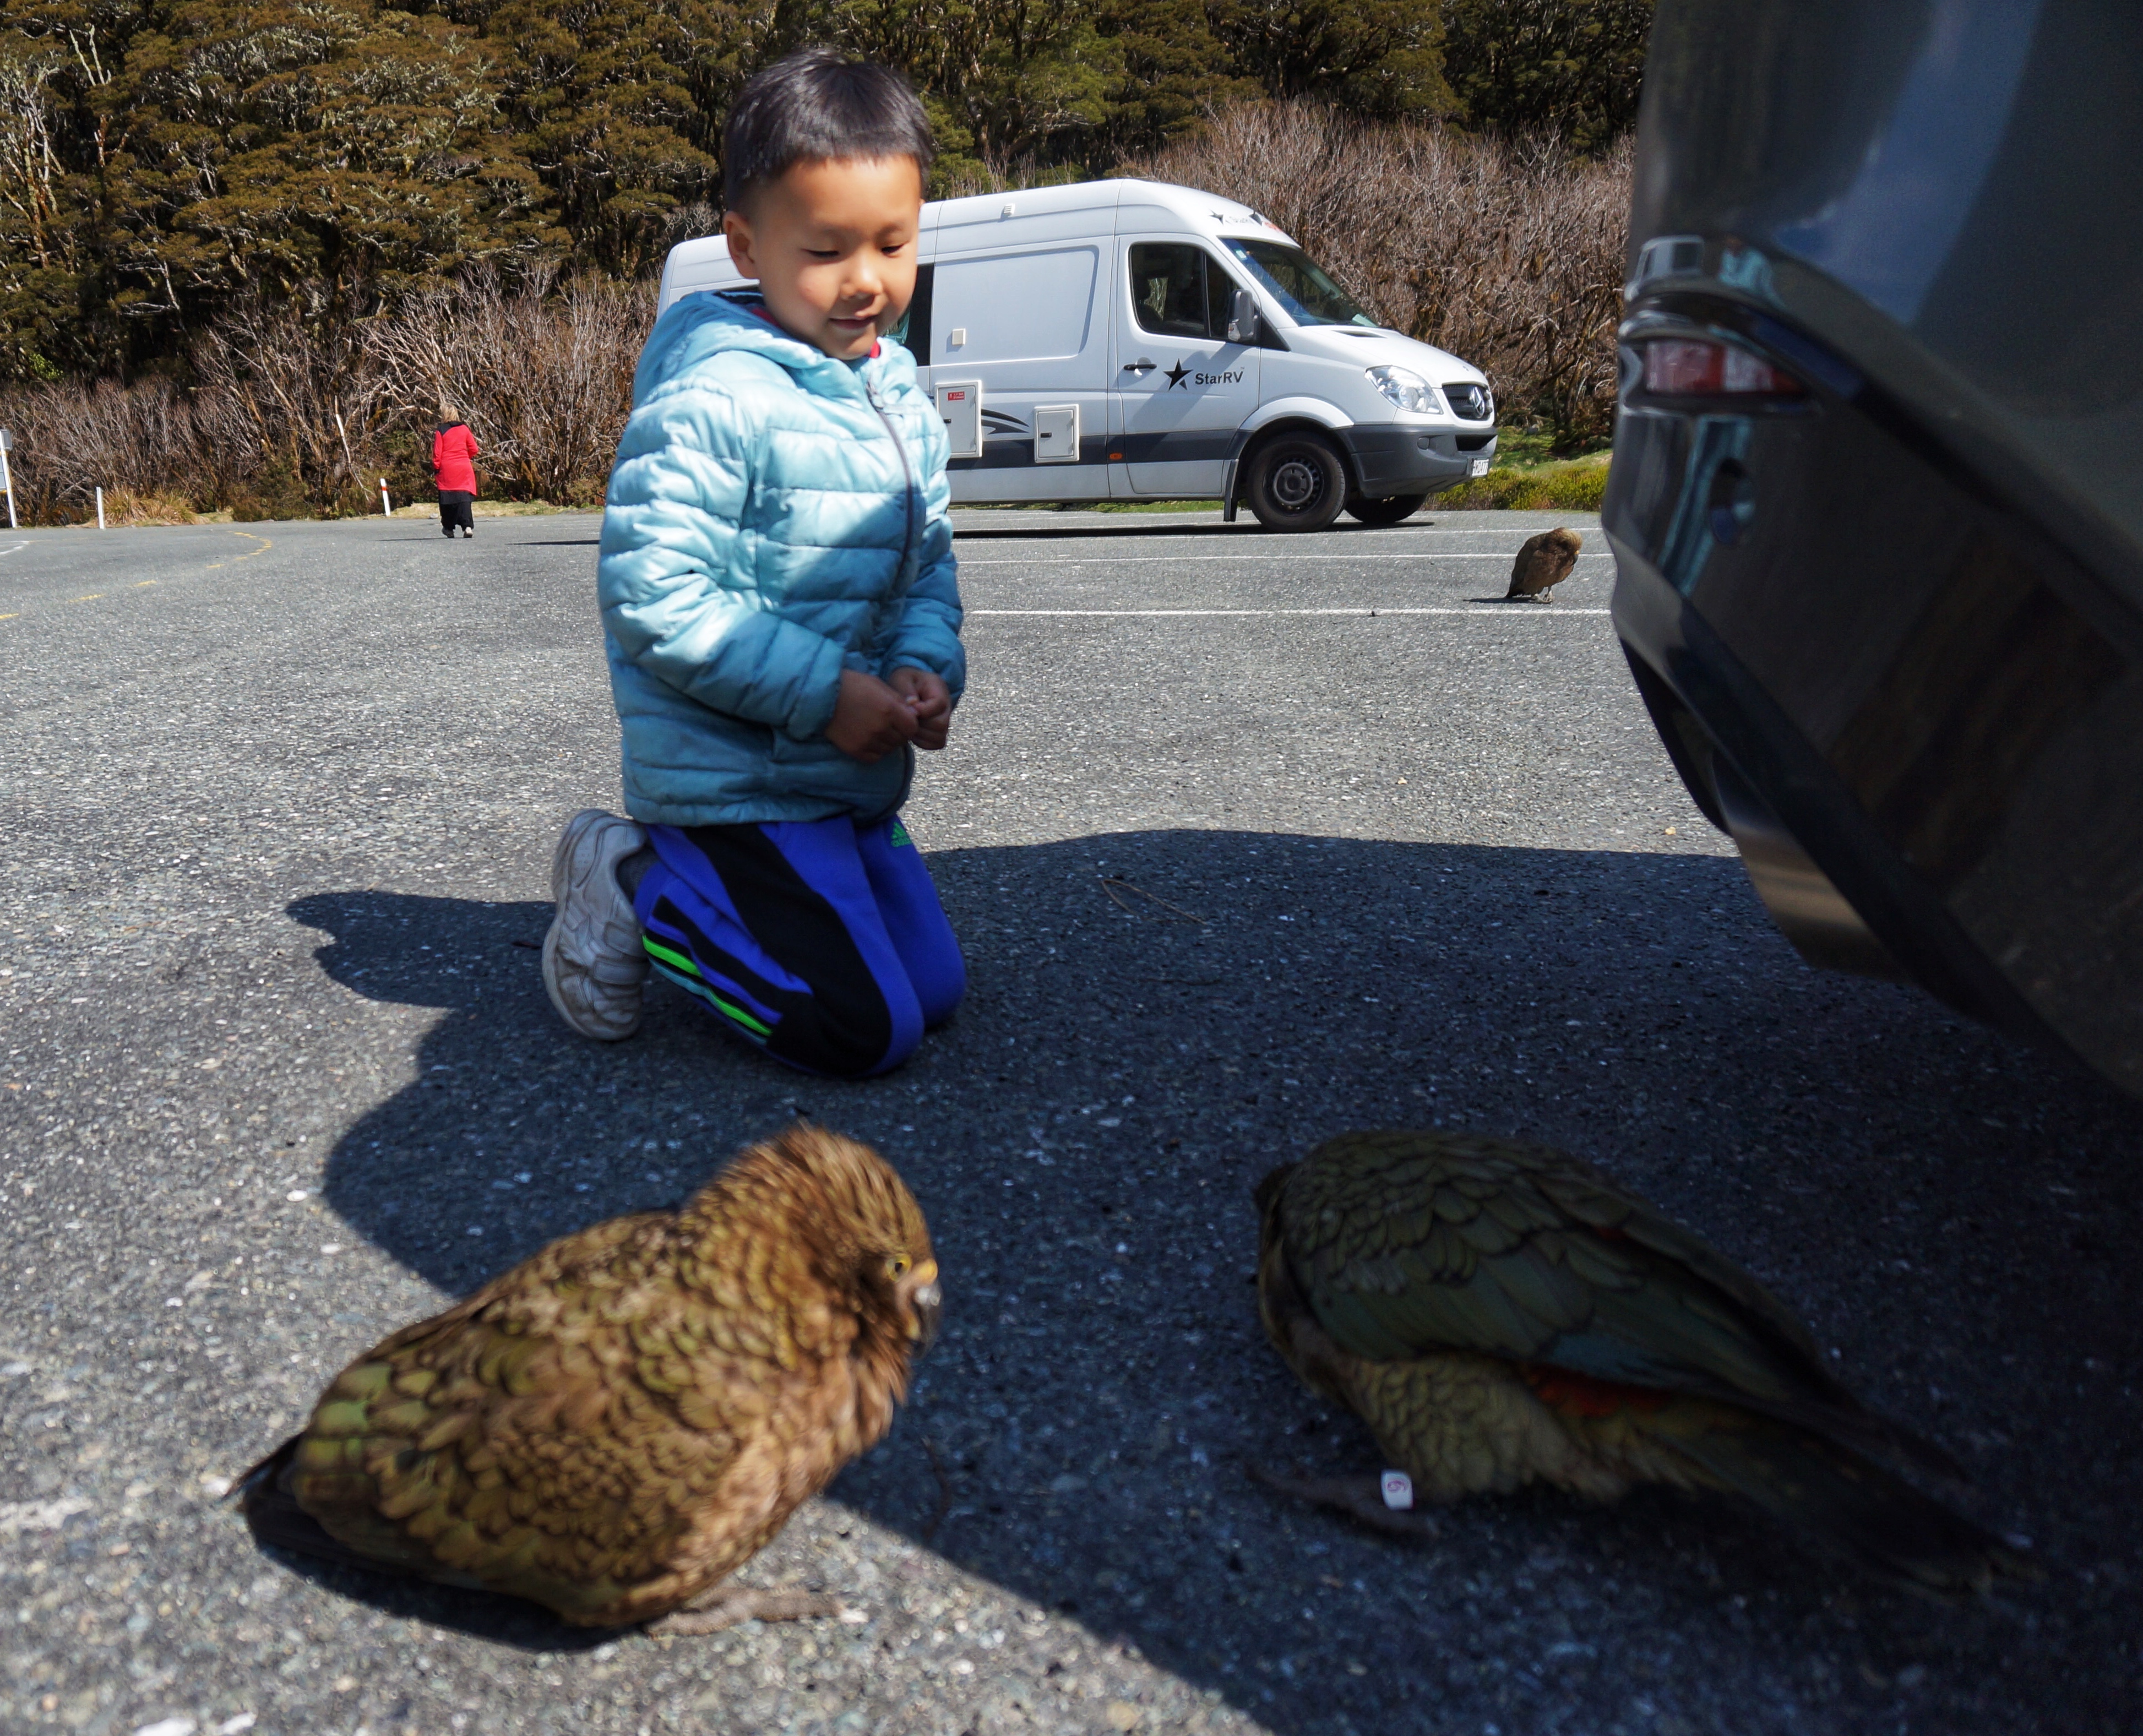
{"x": 1178, "y": 291}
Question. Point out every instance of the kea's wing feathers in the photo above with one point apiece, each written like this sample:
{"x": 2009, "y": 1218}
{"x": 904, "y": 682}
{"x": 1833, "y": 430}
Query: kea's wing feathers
{"x": 510, "y": 1441}
{"x": 1590, "y": 1200}
{"x": 1405, "y": 1244}
{"x": 1409, "y": 1245}
{"x": 570, "y": 1261}
{"x": 1724, "y": 1305}
{"x": 1503, "y": 1310}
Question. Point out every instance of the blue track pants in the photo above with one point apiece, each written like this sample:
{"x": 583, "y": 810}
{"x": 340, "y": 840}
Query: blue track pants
{"x": 822, "y": 942}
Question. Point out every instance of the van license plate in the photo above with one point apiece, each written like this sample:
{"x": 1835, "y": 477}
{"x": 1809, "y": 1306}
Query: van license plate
{"x": 1479, "y": 466}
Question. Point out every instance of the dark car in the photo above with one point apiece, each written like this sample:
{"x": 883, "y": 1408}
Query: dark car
{"x": 1877, "y": 499}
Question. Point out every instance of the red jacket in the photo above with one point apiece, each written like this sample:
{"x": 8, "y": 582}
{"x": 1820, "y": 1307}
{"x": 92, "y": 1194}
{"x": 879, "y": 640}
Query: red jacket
{"x": 452, "y": 447}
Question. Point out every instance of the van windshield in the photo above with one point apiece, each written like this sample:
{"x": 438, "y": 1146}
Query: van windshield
{"x": 1298, "y": 284}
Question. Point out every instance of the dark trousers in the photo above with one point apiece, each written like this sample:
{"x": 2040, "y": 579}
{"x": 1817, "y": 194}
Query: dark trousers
{"x": 454, "y": 509}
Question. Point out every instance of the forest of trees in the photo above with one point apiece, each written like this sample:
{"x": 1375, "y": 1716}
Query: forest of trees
{"x": 161, "y": 161}
{"x": 246, "y": 246}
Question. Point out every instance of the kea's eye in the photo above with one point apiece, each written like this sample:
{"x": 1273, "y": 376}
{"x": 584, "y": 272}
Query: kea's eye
{"x": 899, "y": 1265}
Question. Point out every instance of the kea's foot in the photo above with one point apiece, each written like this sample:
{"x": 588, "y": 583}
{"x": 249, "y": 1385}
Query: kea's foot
{"x": 724, "y": 1605}
{"x": 1361, "y": 1498}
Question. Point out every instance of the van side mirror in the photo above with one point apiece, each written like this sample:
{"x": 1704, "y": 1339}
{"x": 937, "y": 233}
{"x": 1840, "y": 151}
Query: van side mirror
{"x": 1243, "y": 324}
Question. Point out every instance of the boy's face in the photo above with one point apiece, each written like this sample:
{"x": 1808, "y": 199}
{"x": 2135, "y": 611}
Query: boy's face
{"x": 832, "y": 246}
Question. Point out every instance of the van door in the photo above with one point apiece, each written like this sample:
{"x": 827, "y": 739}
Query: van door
{"x": 1030, "y": 329}
{"x": 1182, "y": 388}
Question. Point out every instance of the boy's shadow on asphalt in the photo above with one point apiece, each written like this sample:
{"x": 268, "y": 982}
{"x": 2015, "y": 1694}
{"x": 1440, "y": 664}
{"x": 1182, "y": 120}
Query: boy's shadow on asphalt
{"x": 1153, "y": 1020}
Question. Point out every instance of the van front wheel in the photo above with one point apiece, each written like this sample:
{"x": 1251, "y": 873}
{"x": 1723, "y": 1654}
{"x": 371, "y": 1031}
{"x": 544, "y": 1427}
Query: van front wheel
{"x": 1296, "y": 482}
{"x": 1390, "y": 510}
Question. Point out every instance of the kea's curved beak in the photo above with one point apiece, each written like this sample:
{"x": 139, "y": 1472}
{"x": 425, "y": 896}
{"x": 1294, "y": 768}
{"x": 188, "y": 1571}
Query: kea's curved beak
{"x": 928, "y": 1302}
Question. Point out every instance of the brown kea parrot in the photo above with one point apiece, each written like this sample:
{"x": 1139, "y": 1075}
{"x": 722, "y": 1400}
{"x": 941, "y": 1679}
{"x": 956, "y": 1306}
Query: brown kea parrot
{"x": 1499, "y": 1313}
{"x": 1544, "y": 561}
{"x": 613, "y": 1427}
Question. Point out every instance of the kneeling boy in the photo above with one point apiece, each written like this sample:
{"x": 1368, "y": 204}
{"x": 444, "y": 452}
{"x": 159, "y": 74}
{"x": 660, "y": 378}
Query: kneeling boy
{"x": 781, "y": 614}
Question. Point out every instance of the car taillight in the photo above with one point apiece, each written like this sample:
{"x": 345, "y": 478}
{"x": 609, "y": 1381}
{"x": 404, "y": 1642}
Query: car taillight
{"x": 1702, "y": 367}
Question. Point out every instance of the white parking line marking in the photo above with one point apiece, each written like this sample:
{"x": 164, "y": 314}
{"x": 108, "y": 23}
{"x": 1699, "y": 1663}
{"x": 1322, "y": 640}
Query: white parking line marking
{"x": 1545, "y": 614}
{"x": 1115, "y": 560}
{"x": 1052, "y": 527}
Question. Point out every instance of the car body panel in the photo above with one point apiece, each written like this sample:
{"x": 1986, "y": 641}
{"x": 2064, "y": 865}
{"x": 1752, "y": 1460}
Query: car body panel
{"x": 1891, "y": 625}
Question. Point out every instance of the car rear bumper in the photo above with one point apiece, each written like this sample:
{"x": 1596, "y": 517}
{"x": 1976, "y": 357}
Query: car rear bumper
{"x": 1918, "y": 711}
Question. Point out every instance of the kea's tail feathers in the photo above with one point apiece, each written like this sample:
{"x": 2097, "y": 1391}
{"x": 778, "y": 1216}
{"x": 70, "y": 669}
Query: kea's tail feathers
{"x": 1837, "y": 1497}
{"x": 273, "y": 1515}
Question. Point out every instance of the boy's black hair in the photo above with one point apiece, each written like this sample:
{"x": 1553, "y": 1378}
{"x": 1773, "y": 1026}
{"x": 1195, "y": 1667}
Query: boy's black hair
{"x": 812, "y": 107}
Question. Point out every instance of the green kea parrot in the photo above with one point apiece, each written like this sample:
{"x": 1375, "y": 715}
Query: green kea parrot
{"x": 1499, "y": 1313}
{"x": 625, "y": 1418}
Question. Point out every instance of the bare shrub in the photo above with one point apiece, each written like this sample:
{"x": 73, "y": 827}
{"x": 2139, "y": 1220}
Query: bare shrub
{"x": 545, "y": 382}
{"x": 280, "y": 392}
{"x": 71, "y": 440}
{"x": 295, "y": 415}
{"x": 1507, "y": 253}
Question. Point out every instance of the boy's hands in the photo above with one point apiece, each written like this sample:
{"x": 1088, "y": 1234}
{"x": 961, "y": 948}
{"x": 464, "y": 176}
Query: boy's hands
{"x": 931, "y": 700}
{"x": 870, "y": 719}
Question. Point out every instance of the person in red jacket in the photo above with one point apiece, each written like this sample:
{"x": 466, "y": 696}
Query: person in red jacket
{"x": 454, "y": 452}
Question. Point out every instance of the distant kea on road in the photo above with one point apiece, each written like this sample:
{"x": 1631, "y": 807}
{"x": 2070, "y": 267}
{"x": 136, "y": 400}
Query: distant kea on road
{"x": 1500, "y": 1313}
{"x": 619, "y": 1422}
{"x": 1544, "y": 561}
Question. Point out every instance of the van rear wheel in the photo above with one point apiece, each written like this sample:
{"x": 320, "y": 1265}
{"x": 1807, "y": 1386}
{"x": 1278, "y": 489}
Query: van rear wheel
{"x": 1296, "y": 482}
{"x": 1390, "y": 510}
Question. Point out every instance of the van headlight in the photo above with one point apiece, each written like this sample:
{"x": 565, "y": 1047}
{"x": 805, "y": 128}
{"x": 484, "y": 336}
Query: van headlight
{"x": 1406, "y": 389}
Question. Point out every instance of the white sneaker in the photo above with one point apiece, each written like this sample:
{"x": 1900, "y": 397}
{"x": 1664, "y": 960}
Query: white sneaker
{"x": 594, "y": 966}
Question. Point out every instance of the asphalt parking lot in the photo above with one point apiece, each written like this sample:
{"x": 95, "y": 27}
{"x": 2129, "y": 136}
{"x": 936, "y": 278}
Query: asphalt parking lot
{"x": 1248, "y": 840}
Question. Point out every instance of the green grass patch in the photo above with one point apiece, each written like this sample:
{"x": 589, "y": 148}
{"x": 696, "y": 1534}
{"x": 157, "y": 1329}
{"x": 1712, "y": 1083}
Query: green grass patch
{"x": 1525, "y": 478}
{"x": 1532, "y": 446}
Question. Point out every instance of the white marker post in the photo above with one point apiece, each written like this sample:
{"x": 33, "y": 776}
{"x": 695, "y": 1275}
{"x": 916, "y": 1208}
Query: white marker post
{"x": 99, "y": 509}
{"x": 7, "y": 478}
{"x": 386, "y": 507}
{"x": 1397, "y": 1490}
{"x": 346, "y": 458}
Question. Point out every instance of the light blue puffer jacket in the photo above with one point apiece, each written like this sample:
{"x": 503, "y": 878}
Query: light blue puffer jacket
{"x": 765, "y": 530}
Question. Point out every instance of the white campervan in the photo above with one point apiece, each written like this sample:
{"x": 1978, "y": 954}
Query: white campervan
{"x": 1125, "y": 340}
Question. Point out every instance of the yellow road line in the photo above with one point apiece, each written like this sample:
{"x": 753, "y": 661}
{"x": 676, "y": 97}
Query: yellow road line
{"x": 265, "y": 545}
{"x": 98, "y": 596}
